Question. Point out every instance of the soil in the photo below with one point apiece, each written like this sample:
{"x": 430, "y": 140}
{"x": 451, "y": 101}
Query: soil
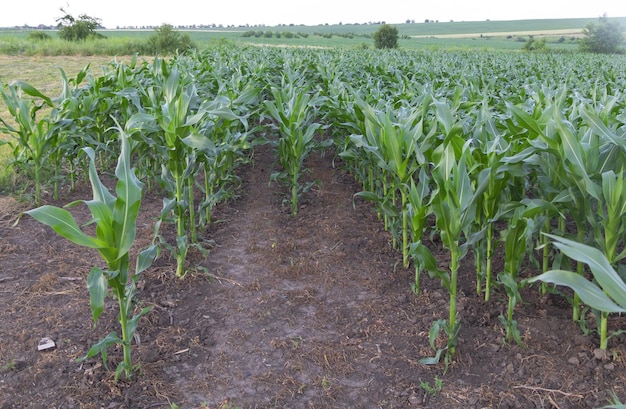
{"x": 306, "y": 311}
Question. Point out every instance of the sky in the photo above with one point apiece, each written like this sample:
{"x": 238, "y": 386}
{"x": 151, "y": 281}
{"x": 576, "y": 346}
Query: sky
{"x": 114, "y": 13}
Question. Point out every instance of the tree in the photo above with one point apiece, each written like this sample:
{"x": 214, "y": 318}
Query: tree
{"x": 535, "y": 45}
{"x": 386, "y": 37}
{"x": 605, "y": 37}
{"x": 167, "y": 39}
{"x": 80, "y": 29}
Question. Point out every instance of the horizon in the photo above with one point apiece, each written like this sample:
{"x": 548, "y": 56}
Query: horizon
{"x": 210, "y": 26}
{"x": 274, "y": 13}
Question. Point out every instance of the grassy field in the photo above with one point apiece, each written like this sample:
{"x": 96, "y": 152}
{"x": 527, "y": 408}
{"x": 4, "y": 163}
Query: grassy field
{"x": 488, "y": 35}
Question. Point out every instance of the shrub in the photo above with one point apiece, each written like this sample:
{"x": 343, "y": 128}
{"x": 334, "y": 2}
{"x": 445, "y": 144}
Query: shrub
{"x": 386, "y": 37}
{"x": 38, "y": 36}
{"x": 535, "y": 45}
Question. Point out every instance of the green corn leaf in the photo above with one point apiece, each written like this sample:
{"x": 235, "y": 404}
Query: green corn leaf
{"x": 588, "y": 292}
{"x": 64, "y": 224}
{"x": 524, "y": 119}
{"x": 511, "y": 286}
{"x": 134, "y": 321}
{"x": 602, "y": 270}
{"x": 595, "y": 123}
{"x": 146, "y": 258}
{"x": 97, "y": 286}
{"x": 34, "y": 92}
{"x": 198, "y": 141}
{"x": 103, "y": 217}
{"x": 370, "y": 196}
{"x": 101, "y": 347}
{"x": 225, "y": 113}
{"x": 192, "y": 120}
{"x": 444, "y": 116}
{"x": 425, "y": 259}
{"x": 128, "y": 191}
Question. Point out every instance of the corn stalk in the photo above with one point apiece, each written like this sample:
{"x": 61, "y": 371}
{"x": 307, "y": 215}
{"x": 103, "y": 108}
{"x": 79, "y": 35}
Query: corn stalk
{"x": 115, "y": 219}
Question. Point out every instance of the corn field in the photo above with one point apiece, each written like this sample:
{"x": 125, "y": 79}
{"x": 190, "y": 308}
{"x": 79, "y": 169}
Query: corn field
{"x": 484, "y": 152}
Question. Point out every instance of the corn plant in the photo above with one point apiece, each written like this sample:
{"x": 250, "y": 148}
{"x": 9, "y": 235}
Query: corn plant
{"x": 115, "y": 219}
{"x": 34, "y": 136}
{"x": 501, "y": 180}
{"x": 294, "y": 110}
{"x": 516, "y": 237}
{"x": 396, "y": 148}
{"x": 453, "y": 204}
{"x": 178, "y": 118}
{"x": 220, "y": 146}
{"x": 607, "y": 296}
{"x": 418, "y": 211}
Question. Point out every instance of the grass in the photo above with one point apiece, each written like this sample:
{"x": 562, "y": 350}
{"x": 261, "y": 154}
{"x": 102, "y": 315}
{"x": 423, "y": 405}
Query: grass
{"x": 475, "y": 35}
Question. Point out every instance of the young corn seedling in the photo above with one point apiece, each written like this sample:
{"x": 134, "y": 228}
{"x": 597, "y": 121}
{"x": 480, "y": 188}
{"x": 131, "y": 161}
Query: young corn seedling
{"x": 115, "y": 219}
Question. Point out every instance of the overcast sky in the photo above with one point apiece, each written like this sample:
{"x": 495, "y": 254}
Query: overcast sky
{"x": 272, "y": 12}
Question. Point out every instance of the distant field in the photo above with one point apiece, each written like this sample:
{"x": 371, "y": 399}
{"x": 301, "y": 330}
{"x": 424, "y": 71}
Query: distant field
{"x": 419, "y": 35}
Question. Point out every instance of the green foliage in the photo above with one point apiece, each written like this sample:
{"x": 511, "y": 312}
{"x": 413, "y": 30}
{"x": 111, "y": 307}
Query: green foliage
{"x": 168, "y": 40}
{"x": 115, "y": 219}
{"x": 605, "y": 37}
{"x": 293, "y": 110}
{"x": 39, "y": 36}
{"x": 78, "y": 29}
{"x": 607, "y": 296}
{"x": 535, "y": 45}
{"x": 33, "y": 137}
{"x": 386, "y": 37}
{"x": 434, "y": 389}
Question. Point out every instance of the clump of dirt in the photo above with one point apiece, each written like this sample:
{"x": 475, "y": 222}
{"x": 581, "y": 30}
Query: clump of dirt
{"x": 311, "y": 311}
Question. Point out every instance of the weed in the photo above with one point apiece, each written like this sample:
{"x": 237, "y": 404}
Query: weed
{"x": 434, "y": 389}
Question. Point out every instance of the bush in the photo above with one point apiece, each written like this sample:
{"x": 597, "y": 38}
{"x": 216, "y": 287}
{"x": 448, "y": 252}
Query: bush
{"x": 535, "y": 45}
{"x": 39, "y": 36}
{"x": 386, "y": 37}
{"x": 604, "y": 38}
{"x": 167, "y": 40}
